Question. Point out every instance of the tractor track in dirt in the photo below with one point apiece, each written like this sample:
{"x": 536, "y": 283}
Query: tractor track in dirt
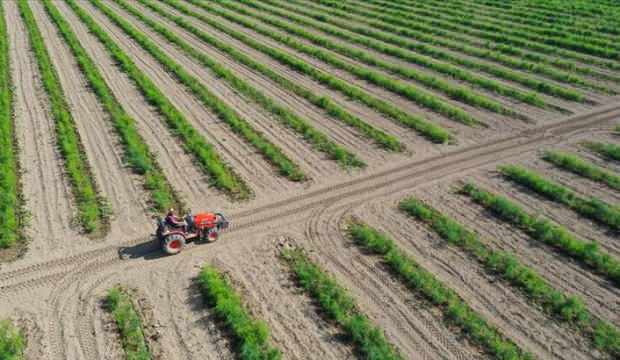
{"x": 406, "y": 175}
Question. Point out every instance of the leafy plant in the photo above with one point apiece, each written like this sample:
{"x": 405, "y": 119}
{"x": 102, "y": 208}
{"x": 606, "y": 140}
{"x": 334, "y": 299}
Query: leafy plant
{"x": 251, "y": 336}
{"x": 607, "y": 150}
{"x": 579, "y": 166}
{"x": 119, "y": 303}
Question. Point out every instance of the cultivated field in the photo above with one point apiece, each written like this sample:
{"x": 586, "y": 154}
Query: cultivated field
{"x": 405, "y": 179}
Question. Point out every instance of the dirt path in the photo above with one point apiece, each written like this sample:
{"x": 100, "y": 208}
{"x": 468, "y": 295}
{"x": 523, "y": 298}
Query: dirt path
{"x": 122, "y": 189}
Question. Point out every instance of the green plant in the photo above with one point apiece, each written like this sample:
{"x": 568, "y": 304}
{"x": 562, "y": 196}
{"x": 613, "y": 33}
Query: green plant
{"x": 137, "y": 153}
{"x": 431, "y": 131}
{"x": 228, "y": 115}
{"x": 92, "y": 212}
{"x": 580, "y": 166}
{"x": 221, "y": 176}
{"x": 457, "y": 314}
{"x": 12, "y": 342}
{"x": 607, "y": 150}
{"x": 592, "y": 208}
{"x": 340, "y": 307}
{"x": 545, "y": 231}
{"x": 251, "y": 336}
{"x": 129, "y": 324}
{"x": 285, "y": 116}
{"x": 567, "y": 308}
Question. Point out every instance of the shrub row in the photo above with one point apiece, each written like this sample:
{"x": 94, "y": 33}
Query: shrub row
{"x": 494, "y": 33}
{"x": 592, "y": 208}
{"x": 455, "y": 72}
{"x": 129, "y": 324}
{"x": 319, "y": 140}
{"x": 503, "y": 38}
{"x": 428, "y": 37}
{"x": 92, "y": 212}
{"x": 607, "y": 150}
{"x": 411, "y": 92}
{"x": 334, "y": 110}
{"x": 567, "y": 308}
{"x": 228, "y": 115}
{"x": 222, "y": 177}
{"x": 429, "y": 130}
{"x": 9, "y": 173}
{"x": 12, "y": 342}
{"x": 460, "y": 93}
{"x": 251, "y": 337}
{"x": 545, "y": 231}
{"x": 339, "y": 306}
{"x": 456, "y": 312}
{"x": 137, "y": 153}
{"x": 580, "y": 166}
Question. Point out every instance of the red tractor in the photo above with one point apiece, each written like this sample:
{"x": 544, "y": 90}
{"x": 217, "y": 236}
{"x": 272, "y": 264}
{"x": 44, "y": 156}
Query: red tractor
{"x": 203, "y": 226}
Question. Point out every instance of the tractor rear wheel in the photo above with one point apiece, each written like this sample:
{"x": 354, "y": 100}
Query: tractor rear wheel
{"x": 173, "y": 244}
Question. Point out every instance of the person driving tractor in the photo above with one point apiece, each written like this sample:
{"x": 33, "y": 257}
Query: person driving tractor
{"x": 173, "y": 221}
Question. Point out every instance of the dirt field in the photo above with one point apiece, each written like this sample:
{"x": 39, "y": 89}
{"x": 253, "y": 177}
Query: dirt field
{"x": 54, "y": 291}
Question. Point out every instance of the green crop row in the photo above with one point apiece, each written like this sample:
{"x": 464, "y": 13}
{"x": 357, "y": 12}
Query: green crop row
{"x": 340, "y": 307}
{"x": 411, "y": 92}
{"x": 334, "y": 110}
{"x": 606, "y": 60}
{"x": 559, "y": 8}
{"x": 460, "y": 93}
{"x": 456, "y": 312}
{"x": 129, "y": 324}
{"x": 494, "y": 33}
{"x": 607, "y": 150}
{"x": 285, "y": 116}
{"x": 222, "y": 177}
{"x": 92, "y": 212}
{"x": 545, "y": 231}
{"x": 567, "y": 40}
{"x": 429, "y": 130}
{"x": 12, "y": 342}
{"x": 409, "y": 56}
{"x": 567, "y": 308}
{"x": 579, "y": 166}
{"x": 228, "y": 115}
{"x": 251, "y": 337}
{"x": 137, "y": 153}
{"x": 10, "y": 203}
{"x": 397, "y": 31}
{"x": 592, "y": 208}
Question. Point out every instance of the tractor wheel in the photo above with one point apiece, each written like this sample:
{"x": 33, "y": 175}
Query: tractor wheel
{"x": 212, "y": 235}
{"x": 173, "y": 244}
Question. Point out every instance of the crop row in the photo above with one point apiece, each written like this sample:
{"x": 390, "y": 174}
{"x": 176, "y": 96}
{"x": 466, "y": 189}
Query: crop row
{"x": 591, "y": 9}
{"x": 459, "y": 93}
{"x": 592, "y": 208}
{"x": 334, "y": 110}
{"x": 406, "y": 90}
{"x": 285, "y": 116}
{"x": 456, "y": 312}
{"x": 545, "y": 231}
{"x": 569, "y": 309}
{"x": 580, "y": 166}
{"x": 137, "y": 153}
{"x": 221, "y": 176}
{"x": 9, "y": 172}
{"x": 567, "y": 41}
{"x": 129, "y": 324}
{"x": 607, "y": 150}
{"x": 396, "y": 31}
{"x": 228, "y": 115}
{"x": 92, "y": 212}
{"x": 429, "y": 130}
{"x": 494, "y": 33}
{"x": 340, "y": 307}
{"x": 558, "y": 28}
{"x": 251, "y": 337}
{"x": 12, "y": 341}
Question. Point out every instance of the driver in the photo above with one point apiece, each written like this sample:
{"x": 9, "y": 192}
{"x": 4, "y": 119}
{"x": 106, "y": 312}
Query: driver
{"x": 173, "y": 221}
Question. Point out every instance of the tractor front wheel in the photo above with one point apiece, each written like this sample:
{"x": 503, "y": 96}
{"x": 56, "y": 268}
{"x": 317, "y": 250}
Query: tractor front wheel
{"x": 173, "y": 244}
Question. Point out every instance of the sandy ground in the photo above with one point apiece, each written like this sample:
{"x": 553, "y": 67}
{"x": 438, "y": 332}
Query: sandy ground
{"x": 56, "y": 292}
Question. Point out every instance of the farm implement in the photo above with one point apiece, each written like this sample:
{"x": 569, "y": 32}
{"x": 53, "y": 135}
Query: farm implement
{"x": 204, "y": 227}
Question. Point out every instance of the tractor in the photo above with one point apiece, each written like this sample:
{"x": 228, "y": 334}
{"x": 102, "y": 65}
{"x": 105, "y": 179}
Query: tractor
{"x": 202, "y": 226}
